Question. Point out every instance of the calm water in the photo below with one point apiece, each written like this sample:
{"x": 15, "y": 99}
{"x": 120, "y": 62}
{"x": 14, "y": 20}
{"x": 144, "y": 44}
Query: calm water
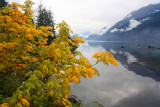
{"x": 134, "y": 83}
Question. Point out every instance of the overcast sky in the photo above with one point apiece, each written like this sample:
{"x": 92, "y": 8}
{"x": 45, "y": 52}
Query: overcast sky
{"x": 86, "y": 16}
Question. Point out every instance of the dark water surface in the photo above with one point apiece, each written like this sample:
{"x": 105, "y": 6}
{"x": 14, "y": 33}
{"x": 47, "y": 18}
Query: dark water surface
{"x": 134, "y": 83}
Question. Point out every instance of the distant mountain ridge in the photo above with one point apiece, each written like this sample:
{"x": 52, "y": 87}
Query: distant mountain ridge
{"x": 142, "y": 25}
{"x": 96, "y": 35}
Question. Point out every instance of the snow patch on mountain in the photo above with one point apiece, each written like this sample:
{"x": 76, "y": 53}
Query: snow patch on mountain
{"x": 156, "y": 11}
{"x": 145, "y": 19}
{"x": 132, "y": 24}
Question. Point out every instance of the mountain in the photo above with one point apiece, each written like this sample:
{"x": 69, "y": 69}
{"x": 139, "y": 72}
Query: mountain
{"x": 95, "y": 35}
{"x": 141, "y": 26}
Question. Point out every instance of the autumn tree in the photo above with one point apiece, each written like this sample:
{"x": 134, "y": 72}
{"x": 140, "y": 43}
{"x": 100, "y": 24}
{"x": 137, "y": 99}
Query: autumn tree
{"x": 45, "y": 18}
{"x": 33, "y": 73}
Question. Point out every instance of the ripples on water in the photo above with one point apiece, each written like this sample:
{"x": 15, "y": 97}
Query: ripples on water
{"x": 135, "y": 83}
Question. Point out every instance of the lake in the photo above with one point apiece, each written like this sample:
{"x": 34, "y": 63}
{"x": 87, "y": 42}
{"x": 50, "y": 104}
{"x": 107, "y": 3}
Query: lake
{"x": 134, "y": 83}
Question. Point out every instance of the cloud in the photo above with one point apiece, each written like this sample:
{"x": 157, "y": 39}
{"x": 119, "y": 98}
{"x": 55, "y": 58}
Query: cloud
{"x": 132, "y": 24}
{"x": 90, "y": 15}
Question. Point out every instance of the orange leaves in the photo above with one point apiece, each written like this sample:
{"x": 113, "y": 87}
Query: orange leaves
{"x": 29, "y": 36}
{"x": 55, "y": 70}
{"x": 103, "y": 54}
{"x": 24, "y": 102}
{"x": 78, "y": 40}
{"x": 12, "y": 30}
{"x": 23, "y": 66}
{"x": 6, "y": 18}
{"x": 46, "y": 28}
{"x": 29, "y": 48}
{"x": 15, "y": 4}
{"x": 114, "y": 62}
{"x": 12, "y": 45}
{"x": 49, "y": 70}
{"x": 18, "y": 66}
{"x": 65, "y": 103}
{"x": 96, "y": 55}
{"x": 4, "y": 105}
{"x": 90, "y": 72}
{"x": 75, "y": 79}
{"x": 32, "y": 60}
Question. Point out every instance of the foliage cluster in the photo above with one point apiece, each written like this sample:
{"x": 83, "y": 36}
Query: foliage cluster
{"x": 33, "y": 73}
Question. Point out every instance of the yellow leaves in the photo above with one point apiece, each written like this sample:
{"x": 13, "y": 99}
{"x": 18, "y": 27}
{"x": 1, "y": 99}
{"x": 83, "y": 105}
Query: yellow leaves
{"x": 29, "y": 48}
{"x": 15, "y": 4}
{"x": 4, "y": 105}
{"x": 103, "y": 54}
{"x": 18, "y": 105}
{"x": 12, "y": 30}
{"x": 29, "y": 36}
{"x": 32, "y": 60}
{"x": 55, "y": 70}
{"x": 96, "y": 55}
{"x": 84, "y": 60}
{"x": 76, "y": 70}
{"x": 24, "y": 102}
{"x": 110, "y": 55}
{"x": 1, "y": 46}
{"x": 25, "y": 57}
{"x": 105, "y": 57}
{"x": 2, "y": 67}
{"x": 63, "y": 102}
{"x": 12, "y": 45}
{"x": 48, "y": 28}
{"x": 42, "y": 62}
{"x": 78, "y": 40}
{"x": 18, "y": 36}
{"x": 75, "y": 79}
{"x": 44, "y": 69}
{"x": 51, "y": 93}
{"x": 6, "y": 18}
{"x": 23, "y": 66}
{"x": 114, "y": 62}
{"x": 56, "y": 53}
{"x": 90, "y": 72}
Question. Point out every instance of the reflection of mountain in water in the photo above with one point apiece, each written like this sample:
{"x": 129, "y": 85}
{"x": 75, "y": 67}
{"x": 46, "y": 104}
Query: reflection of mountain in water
{"x": 140, "y": 60}
{"x": 143, "y": 99}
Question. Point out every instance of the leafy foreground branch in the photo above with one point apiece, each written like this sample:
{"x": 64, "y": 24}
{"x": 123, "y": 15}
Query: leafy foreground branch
{"x": 33, "y": 73}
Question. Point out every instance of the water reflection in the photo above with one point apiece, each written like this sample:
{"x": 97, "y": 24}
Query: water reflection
{"x": 132, "y": 84}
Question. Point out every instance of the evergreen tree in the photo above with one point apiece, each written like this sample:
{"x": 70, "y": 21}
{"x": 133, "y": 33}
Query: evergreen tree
{"x": 3, "y": 3}
{"x": 45, "y": 18}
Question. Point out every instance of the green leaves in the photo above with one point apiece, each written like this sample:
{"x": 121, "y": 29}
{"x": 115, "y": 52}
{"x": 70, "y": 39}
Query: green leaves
{"x": 44, "y": 71}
